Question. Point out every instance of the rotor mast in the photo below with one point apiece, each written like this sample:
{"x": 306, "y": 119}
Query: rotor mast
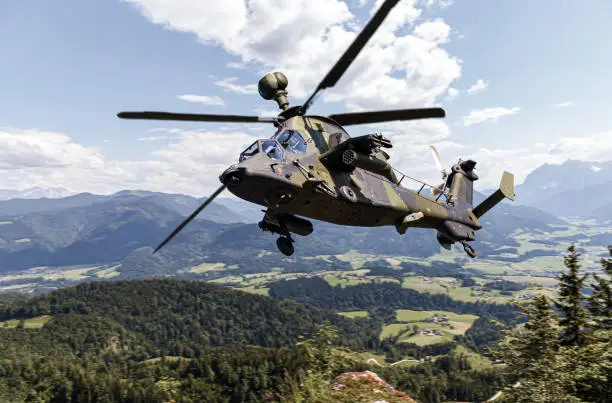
{"x": 273, "y": 86}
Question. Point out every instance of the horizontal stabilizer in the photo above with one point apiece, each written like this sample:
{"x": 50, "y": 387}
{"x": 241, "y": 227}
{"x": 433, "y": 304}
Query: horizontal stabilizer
{"x": 506, "y": 189}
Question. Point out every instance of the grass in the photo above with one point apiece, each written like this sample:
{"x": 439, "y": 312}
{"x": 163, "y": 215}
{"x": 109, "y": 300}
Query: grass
{"x": 168, "y": 358}
{"x": 355, "y": 314}
{"x": 442, "y": 285}
{"x": 406, "y": 315}
{"x": 32, "y": 323}
{"x": 204, "y": 267}
{"x": 477, "y": 361}
{"x": 71, "y": 274}
{"x": 52, "y": 274}
{"x": 254, "y": 290}
{"x": 354, "y": 277}
{"x": 109, "y": 273}
{"x": 543, "y": 281}
{"x": 460, "y": 324}
{"x": 394, "y": 329}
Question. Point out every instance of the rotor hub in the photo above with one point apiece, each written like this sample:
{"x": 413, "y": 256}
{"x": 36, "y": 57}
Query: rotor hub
{"x": 273, "y": 86}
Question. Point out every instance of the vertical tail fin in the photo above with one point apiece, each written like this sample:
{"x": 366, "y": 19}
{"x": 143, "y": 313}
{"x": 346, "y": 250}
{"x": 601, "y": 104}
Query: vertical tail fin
{"x": 506, "y": 189}
{"x": 461, "y": 182}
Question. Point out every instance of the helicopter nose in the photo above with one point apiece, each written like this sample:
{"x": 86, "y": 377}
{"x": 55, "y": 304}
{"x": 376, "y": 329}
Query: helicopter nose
{"x": 232, "y": 175}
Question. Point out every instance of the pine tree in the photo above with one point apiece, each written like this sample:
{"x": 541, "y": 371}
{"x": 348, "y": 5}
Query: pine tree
{"x": 536, "y": 341}
{"x": 570, "y": 303}
{"x": 530, "y": 355}
{"x": 600, "y": 303}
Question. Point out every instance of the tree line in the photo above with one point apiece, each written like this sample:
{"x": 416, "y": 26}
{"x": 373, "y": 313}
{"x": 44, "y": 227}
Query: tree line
{"x": 563, "y": 352}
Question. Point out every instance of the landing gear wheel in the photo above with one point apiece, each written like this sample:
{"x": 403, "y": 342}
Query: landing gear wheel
{"x": 469, "y": 250}
{"x": 285, "y": 245}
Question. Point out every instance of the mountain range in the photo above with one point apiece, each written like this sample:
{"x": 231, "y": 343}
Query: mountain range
{"x": 573, "y": 189}
{"x": 35, "y": 193}
{"x": 88, "y": 229}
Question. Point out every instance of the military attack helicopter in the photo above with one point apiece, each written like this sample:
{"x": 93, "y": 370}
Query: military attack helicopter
{"x": 312, "y": 168}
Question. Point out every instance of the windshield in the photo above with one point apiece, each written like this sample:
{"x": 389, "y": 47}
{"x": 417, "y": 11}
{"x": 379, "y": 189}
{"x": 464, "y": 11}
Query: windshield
{"x": 272, "y": 149}
{"x": 249, "y": 152}
{"x": 292, "y": 141}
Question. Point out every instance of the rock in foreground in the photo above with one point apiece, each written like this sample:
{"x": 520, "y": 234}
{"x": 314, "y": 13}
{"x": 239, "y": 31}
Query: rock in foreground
{"x": 366, "y": 387}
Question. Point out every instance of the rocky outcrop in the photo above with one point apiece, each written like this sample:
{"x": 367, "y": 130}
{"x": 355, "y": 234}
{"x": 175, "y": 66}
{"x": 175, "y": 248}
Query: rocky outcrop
{"x": 366, "y": 387}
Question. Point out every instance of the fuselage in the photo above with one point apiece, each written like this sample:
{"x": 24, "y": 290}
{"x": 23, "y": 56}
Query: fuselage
{"x": 285, "y": 173}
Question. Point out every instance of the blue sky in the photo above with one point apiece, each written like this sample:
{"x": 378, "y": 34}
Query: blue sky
{"x": 69, "y": 69}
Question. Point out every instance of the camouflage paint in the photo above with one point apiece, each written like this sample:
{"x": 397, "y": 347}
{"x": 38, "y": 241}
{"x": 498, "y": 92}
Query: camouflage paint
{"x": 316, "y": 190}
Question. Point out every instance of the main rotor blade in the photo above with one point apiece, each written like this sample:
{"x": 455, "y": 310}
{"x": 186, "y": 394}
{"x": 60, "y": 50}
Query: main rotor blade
{"x": 191, "y": 217}
{"x": 194, "y": 117}
{"x": 351, "y": 53}
{"x": 345, "y": 119}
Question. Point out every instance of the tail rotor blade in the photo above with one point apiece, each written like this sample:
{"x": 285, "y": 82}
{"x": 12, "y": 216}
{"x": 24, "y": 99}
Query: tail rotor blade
{"x": 436, "y": 157}
{"x": 191, "y": 217}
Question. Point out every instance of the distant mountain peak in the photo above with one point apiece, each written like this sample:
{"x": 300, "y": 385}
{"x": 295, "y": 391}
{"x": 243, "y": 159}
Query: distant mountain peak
{"x": 35, "y": 193}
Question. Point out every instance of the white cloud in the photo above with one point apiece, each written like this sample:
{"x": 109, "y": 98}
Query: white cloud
{"x": 452, "y": 93}
{"x": 480, "y": 85}
{"x": 442, "y": 4}
{"x": 597, "y": 147}
{"x": 236, "y": 65}
{"x": 402, "y": 65}
{"x": 154, "y": 138}
{"x": 202, "y": 99}
{"x": 482, "y": 115}
{"x": 436, "y": 31}
{"x": 266, "y": 113}
{"x": 563, "y": 104}
{"x": 21, "y": 149}
{"x": 191, "y": 162}
{"x": 228, "y": 85}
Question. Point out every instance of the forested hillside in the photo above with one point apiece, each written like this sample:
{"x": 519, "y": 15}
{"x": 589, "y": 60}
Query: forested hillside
{"x": 182, "y": 317}
{"x": 187, "y": 339}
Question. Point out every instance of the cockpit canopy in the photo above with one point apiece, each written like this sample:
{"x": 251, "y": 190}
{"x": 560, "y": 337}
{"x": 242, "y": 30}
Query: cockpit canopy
{"x": 269, "y": 147}
{"x": 274, "y": 148}
{"x": 292, "y": 141}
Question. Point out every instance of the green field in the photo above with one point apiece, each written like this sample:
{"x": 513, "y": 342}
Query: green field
{"x": 32, "y": 323}
{"x": 452, "y": 287}
{"x": 109, "y": 273}
{"x": 355, "y": 314}
{"x": 204, "y": 267}
{"x": 477, "y": 361}
{"x": 543, "y": 281}
{"x": 457, "y": 324}
{"x": 254, "y": 290}
{"x": 406, "y": 315}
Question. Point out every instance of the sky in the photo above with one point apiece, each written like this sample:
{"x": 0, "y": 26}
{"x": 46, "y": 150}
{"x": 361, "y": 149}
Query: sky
{"x": 523, "y": 83}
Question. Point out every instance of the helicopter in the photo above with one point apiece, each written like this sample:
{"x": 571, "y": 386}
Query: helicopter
{"x": 312, "y": 168}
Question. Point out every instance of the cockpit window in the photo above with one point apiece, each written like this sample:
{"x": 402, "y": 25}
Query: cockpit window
{"x": 292, "y": 141}
{"x": 249, "y": 152}
{"x": 272, "y": 149}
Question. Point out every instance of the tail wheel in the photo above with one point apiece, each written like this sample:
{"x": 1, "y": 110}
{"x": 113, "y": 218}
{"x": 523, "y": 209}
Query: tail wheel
{"x": 285, "y": 245}
{"x": 469, "y": 250}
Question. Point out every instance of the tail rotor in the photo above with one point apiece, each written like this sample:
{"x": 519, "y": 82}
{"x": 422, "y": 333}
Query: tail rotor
{"x": 436, "y": 156}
